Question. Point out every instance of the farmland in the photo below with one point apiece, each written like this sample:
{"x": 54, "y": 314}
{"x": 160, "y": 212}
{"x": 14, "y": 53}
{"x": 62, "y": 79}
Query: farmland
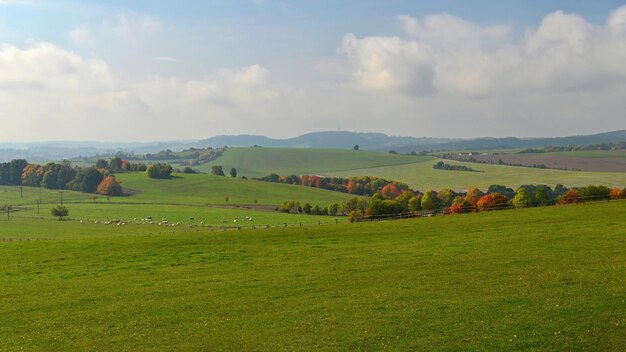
{"x": 601, "y": 161}
{"x": 530, "y": 279}
{"x": 255, "y": 162}
{"x": 417, "y": 171}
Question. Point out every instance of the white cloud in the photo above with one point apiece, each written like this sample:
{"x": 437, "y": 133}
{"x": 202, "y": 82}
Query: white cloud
{"x": 451, "y": 56}
{"x": 166, "y": 59}
{"x": 50, "y": 93}
{"x": 82, "y": 35}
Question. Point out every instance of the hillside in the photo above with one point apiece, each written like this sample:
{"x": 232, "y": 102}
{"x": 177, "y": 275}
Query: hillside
{"x": 253, "y": 162}
{"x": 209, "y": 189}
{"x": 330, "y": 139}
{"x": 417, "y": 171}
{"x": 542, "y": 279}
{"x": 422, "y": 176}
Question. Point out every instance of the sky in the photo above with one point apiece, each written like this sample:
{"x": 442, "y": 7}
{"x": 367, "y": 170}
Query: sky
{"x": 164, "y": 70}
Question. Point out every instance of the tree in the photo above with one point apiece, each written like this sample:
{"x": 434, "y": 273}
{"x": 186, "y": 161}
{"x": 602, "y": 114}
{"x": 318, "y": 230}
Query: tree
{"x": 570, "y": 196}
{"x": 116, "y": 163}
{"x": 472, "y": 196}
{"x": 616, "y": 193}
{"x": 110, "y": 187}
{"x": 503, "y": 190}
{"x": 595, "y": 193}
{"x": 306, "y": 208}
{"x": 217, "y": 170}
{"x": 333, "y": 209}
{"x": 522, "y": 198}
{"x": 356, "y": 147}
{"x": 415, "y": 204}
{"x": 188, "y": 170}
{"x": 158, "y": 170}
{"x": 430, "y": 201}
{"x": 102, "y": 164}
{"x": 59, "y": 211}
{"x": 87, "y": 180}
{"x": 390, "y": 191}
{"x": 233, "y": 172}
{"x": 492, "y": 201}
{"x": 446, "y": 196}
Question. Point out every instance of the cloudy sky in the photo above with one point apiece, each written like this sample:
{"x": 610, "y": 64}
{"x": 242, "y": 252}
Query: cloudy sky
{"x": 165, "y": 70}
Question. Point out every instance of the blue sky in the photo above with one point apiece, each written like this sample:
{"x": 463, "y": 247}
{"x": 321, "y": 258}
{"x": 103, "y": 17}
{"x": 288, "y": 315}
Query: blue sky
{"x": 436, "y": 68}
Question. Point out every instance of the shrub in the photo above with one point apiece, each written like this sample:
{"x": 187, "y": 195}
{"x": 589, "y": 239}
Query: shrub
{"x": 159, "y": 170}
{"x": 59, "y": 211}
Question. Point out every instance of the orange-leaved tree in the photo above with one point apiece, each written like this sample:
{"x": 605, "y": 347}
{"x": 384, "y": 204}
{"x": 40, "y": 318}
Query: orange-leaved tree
{"x": 492, "y": 201}
{"x": 571, "y": 196}
{"x": 110, "y": 187}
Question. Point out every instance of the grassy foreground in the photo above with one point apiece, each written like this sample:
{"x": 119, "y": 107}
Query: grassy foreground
{"x": 533, "y": 279}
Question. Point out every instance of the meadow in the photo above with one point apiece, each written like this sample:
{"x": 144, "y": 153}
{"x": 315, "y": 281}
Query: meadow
{"x": 194, "y": 189}
{"x": 422, "y": 176}
{"x": 257, "y": 162}
{"x": 417, "y": 171}
{"x": 542, "y": 279}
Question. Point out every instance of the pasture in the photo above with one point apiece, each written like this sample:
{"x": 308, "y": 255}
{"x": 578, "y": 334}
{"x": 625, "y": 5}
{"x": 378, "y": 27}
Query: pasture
{"x": 194, "y": 189}
{"x": 417, "y": 171}
{"x": 256, "y": 162}
{"x": 532, "y": 279}
{"x": 422, "y": 176}
{"x": 601, "y": 161}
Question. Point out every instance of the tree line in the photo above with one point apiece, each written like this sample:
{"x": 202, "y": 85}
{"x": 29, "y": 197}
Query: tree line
{"x": 472, "y": 200}
{"x": 99, "y": 178}
{"x": 358, "y": 185}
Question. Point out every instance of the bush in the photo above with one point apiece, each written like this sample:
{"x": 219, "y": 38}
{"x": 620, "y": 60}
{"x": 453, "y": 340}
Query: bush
{"x": 59, "y": 211}
{"x": 159, "y": 170}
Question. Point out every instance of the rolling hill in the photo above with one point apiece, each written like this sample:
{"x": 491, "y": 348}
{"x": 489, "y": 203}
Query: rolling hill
{"x": 541, "y": 279}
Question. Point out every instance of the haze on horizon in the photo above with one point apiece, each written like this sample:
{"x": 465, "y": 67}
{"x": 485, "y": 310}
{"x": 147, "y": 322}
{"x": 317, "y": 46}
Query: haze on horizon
{"x": 157, "y": 70}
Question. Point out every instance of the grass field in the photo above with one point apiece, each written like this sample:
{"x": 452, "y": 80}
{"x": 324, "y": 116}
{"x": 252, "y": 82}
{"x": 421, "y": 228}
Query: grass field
{"x": 538, "y": 279}
{"x": 423, "y": 177}
{"x": 195, "y": 189}
{"x": 414, "y": 170}
{"x": 254, "y": 162}
{"x": 29, "y": 224}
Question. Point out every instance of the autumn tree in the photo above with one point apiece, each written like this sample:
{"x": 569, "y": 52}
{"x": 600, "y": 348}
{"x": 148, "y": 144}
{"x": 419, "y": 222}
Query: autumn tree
{"x": 570, "y": 196}
{"x": 390, "y": 191}
{"x": 616, "y": 193}
{"x": 492, "y": 201}
{"x": 472, "y": 196}
{"x": 110, "y": 187}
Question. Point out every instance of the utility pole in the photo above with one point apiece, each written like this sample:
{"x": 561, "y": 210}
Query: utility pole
{"x": 40, "y": 194}
{"x": 61, "y": 192}
{"x": 21, "y": 192}
{"x": 39, "y": 202}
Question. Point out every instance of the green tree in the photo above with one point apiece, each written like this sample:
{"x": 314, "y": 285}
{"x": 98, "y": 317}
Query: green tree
{"x": 217, "y": 170}
{"x": 116, "y": 163}
{"x": 233, "y": 172}
{"x": 356, "y": 147}
{"x": 522, "y": 198}
{"x": 333, "y": 209}
{"x": 102, "y": 164}
{"x": 59, "y": 211}
{"x": 430, "y": 201}
{"x": 415, "y": 204}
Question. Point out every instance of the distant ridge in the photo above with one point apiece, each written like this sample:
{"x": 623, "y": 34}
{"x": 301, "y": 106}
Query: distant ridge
{"x": 383, "y": 142}
{"x": 329, "y": 139}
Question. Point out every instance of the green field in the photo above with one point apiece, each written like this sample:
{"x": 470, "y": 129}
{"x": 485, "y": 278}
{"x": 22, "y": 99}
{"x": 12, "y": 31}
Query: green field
{"x": 196, "y": 189}
{"x": 422, "y": 176}
{"x": 417, "y": 171}
{"x": 28, "y": 224}
{"x": 543, "y": 279}
{"x": 255, "y": 162}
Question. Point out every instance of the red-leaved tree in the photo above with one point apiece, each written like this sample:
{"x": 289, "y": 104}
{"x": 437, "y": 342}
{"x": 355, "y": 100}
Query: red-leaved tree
{"x": 492, "y": 201}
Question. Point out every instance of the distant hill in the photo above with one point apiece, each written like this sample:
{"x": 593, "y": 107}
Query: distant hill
{"x": 330, "y": 139}
{"x": 513, "y": 142}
